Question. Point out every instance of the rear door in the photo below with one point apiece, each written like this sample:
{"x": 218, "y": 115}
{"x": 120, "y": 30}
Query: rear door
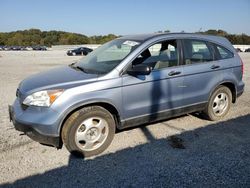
{"x": 201, "y": 71}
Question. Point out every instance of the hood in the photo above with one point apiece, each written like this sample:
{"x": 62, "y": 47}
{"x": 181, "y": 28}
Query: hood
{"x": 58, "y": 78}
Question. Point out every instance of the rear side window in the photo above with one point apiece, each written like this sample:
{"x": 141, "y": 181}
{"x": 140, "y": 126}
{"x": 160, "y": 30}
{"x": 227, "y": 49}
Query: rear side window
{"x": 197, "y": 51}
{"x": 223, "y": 52}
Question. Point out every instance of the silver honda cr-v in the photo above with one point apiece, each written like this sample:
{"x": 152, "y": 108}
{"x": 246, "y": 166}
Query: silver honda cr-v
{"x": 129, "y": 81}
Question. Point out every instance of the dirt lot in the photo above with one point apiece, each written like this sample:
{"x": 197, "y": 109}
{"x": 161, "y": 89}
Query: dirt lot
{"x": 209, "y": 154}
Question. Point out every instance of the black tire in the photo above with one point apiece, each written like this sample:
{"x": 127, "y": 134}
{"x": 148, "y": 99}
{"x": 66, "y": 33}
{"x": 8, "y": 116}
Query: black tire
{"x": 209, "y": 111}
{"x": 73, "y": 125}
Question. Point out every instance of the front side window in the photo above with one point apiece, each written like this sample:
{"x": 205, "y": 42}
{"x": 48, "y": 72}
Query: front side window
{"x": 196, "y": 51}
{"x": 108, "y": 56}
{"x": 159, "y": 56}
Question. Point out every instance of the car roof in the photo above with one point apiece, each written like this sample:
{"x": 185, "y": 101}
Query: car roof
{"x": 144, "y": 37}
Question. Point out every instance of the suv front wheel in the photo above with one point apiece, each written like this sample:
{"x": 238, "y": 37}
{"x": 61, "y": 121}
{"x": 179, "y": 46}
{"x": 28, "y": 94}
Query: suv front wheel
{"x": 88, "y": 131}
{"x": 219, "y": 103}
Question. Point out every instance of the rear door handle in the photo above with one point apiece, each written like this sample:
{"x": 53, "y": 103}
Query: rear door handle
{"x": 215, "y": 66}
{"x": 173, "y": 73}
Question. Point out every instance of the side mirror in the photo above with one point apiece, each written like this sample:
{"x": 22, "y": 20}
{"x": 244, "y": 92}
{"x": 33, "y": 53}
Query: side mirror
{"x": 139, "y": 70}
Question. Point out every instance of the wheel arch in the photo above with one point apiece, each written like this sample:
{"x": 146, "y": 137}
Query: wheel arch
{"x": 232, "y": 88}
{"x": 230, "y": 85}
{"x": 106, "y": 105}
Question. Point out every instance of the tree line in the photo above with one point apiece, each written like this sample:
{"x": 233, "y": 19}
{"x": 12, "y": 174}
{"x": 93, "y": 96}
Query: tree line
{"x": 33, "y": 37}
{"x": 233, "y": 38}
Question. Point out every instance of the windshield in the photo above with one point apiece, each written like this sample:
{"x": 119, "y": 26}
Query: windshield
{"x": 108, "y": 56}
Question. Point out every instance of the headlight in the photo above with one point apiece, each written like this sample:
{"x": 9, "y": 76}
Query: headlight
{"x": 42, "y": 98}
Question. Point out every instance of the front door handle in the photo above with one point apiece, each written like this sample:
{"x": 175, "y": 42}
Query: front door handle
{"x": 215, "y": 66}
{"x": 173, "y": 73}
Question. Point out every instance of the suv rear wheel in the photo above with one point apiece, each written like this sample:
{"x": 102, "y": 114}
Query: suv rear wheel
{"x": 88, "y": 131}
{"x": 219, "y": 103}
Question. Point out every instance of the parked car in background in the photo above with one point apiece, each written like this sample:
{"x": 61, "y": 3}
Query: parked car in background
{"x": 23, "y": 48}
{"x": 29, "y": 48}
{"x": 247, "y": 50}
{"x": 79, "y": 51}
{"x": 15, "y": 48}
{"x": 238, "y": 50}
{"x": 7, "y": 48}
{"x": 18, "y": 48}
{"x": 39, "y": 48}
{"x": 126, "y": 82}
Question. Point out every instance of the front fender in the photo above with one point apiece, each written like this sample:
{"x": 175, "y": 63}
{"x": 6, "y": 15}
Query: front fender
{"x": 69, "y": 103}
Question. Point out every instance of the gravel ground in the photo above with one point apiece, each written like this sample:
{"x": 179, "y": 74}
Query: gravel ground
{"x": 181, "y": 152}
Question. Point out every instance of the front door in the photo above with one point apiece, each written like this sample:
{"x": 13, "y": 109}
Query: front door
{"x": 148, "y": 96}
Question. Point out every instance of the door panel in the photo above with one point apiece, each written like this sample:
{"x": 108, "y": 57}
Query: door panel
{"x": 199, "y": 80}
{"x": 153, "y": 93}
{"x": 201, "y": 71}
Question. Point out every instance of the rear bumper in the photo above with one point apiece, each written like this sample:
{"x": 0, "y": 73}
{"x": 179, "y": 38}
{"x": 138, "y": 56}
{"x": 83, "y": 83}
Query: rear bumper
{"x": 240, "y": 89}
{"x": 240, "y": 93}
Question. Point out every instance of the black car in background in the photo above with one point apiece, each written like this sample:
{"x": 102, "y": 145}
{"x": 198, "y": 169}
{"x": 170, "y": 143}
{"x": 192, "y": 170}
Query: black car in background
{"x": 39, "y": 48}
{"x": 238, "y": 50}
{"x": 79, "y": 51}
{"x": 247, "y": 50}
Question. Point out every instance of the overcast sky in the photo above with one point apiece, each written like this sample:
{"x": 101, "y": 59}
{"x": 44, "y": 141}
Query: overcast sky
{"x": 99, "y": 17}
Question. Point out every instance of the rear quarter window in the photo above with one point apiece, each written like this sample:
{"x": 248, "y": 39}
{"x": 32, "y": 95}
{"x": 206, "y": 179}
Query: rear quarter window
{"x": 223, "y": 52}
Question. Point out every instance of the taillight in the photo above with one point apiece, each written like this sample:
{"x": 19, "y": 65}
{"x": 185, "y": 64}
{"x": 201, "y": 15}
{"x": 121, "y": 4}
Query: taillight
{"x": 242, "y": 67}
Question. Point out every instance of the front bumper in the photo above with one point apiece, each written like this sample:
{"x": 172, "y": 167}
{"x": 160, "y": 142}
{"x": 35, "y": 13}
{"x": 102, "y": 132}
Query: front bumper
{"x": 33, "y": 130}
